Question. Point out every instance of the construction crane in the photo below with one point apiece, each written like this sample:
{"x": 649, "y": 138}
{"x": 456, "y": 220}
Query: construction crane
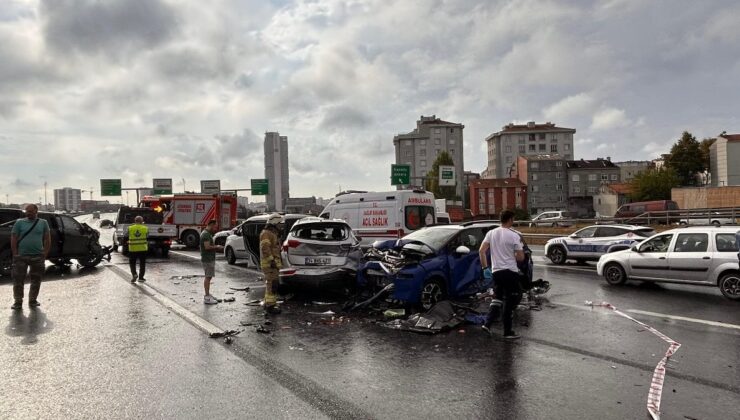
{"x": 91, "y": 191}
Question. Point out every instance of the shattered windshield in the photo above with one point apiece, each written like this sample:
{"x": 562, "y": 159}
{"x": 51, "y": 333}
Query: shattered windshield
{"x": 435, "y": 237}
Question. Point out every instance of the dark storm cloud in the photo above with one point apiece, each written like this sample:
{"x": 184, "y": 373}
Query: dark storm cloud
{"x": 345, "y": 117}
{"x": 111, "y": 28}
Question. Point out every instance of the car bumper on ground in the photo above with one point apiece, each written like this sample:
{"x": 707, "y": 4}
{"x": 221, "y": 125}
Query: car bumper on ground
{"x": 317, "y": 278}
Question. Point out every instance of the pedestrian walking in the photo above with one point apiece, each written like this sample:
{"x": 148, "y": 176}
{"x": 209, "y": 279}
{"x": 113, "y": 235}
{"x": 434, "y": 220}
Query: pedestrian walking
{"x": 138, "y": 247}
{"x": 270, "y": 261}
{"x": 506, "y": 250}
{"x": 30, "y": 241}
{"x": 208, "y": 258}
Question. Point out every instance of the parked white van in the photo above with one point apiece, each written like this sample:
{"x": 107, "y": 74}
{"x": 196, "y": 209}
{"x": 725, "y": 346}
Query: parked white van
{"x": 383, "y": 215}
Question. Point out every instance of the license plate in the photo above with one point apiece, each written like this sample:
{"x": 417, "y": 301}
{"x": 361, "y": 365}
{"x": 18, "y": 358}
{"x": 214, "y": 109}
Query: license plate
{"x": 318, "y": 261}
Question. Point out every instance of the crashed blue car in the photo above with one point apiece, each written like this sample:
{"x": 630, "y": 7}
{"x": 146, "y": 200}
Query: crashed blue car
{"x": 429, "y": 265}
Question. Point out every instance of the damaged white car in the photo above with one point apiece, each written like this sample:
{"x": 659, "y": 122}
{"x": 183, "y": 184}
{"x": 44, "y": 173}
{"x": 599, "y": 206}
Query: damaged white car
{"x": 320, "y": 254}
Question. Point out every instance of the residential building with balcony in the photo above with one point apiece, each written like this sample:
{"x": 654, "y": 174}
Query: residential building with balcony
{"x": 420, "y": 148}
{"x": 530, "y": 139}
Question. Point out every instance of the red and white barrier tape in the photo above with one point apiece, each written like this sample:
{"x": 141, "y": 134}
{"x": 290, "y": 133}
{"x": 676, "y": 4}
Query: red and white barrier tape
{"x": 656, "y": 385}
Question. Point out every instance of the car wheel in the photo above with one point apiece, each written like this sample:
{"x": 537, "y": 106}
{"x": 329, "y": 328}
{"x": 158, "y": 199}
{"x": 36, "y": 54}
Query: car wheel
{"x": 6, "y": 263}
{"x": 716, "y": 223}
{"x": 729, "y": 285}
{"x": 190, "y": 239}
{"x": 90, "y": 261}
{"x": 557, "y": 255}
{"x": 682, "y": 223}
{"x": 614, "y": 274}
{"x": 230, "y": 257}
{"x": 431, "y": 293}
{"x": 555, "y": 224}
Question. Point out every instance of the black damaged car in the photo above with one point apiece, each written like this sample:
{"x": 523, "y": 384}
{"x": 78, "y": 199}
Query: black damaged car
{"x": 70, "y": 240}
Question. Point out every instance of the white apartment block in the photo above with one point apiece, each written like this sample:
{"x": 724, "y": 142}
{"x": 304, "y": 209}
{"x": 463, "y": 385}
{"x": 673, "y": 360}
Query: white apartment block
{"x": 68, "y": 199}
{"x": 530, "y": 139}
{"x": 420, "y": 148}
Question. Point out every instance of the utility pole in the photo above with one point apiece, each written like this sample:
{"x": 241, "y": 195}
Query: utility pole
{"x": 184, "y": 190}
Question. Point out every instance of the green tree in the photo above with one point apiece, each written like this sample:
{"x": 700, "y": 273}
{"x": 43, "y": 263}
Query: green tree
{"x": 654, "y": 184}
{"x": 432, "y": 181}
{"x": 704, "y": 147}
{"x": 686, "y": 159}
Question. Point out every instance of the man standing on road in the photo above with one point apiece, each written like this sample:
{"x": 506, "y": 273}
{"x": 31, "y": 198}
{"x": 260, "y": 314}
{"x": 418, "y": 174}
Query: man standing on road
{"x": 208, "y": 259}
{"x": 506, "y": 250}
{"x": 30, "y": 241}
{"x": 270, "y": 261}
{"x": 138, "y": 246}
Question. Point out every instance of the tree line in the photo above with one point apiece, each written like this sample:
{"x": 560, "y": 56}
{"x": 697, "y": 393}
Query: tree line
{"x": 687, "y": 159}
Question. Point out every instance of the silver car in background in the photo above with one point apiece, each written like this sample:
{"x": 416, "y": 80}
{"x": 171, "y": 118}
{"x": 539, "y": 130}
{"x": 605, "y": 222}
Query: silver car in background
{"x": 706, "y": 256}
{"x": 320, "y": 254}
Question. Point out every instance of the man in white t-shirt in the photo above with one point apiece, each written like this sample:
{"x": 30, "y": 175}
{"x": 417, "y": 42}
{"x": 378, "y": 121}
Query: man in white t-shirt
{"x": 506, "y": 250}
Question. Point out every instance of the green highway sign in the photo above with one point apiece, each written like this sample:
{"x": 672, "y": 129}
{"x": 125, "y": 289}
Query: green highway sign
{"x": 161, "y": 186}
{"x": 259, "y": 186}
{"x": 400, "y": 174}
{"x": 110, "y": 187}
{"x": 446, "y": 175}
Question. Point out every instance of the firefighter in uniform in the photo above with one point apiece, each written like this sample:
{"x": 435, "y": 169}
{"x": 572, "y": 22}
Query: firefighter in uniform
{"x": 270, "y": 261}
{"x": 138, "y": 247}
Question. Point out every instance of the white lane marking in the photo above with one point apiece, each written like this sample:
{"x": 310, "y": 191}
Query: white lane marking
{"x": 683, "y": 318}
{"x": 195, "y": 257}
{"x": 657, "y": 315}
{"x": 562, "y": 267}
{"x": 196, "y": 320}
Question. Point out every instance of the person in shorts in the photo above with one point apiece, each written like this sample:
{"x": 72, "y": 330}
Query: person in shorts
{"x": 208, "y": 258}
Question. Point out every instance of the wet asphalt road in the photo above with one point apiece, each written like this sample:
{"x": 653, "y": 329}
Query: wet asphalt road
{"x": 137, "y": 359}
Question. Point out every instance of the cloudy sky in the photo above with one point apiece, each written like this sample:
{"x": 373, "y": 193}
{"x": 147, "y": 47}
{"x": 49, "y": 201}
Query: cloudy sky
{"x": 138, "y": 89}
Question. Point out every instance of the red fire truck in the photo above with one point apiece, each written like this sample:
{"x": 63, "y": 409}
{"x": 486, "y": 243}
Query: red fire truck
{"x": 191, "y": 213}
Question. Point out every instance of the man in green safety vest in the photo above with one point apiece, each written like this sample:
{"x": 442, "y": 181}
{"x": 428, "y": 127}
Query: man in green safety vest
{"x": 138, "y": 246}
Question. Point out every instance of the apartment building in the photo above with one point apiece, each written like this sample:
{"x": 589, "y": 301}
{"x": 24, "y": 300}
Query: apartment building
{"x": 530, "y": 139}
{"x": 631, "y": 168}
{"x": 67, "y": 199}
{"x": 420, "y": 148}
{"x": 546, "y": 180}
{"x": 489, "y": 197}
{"x": 585, "y": 177}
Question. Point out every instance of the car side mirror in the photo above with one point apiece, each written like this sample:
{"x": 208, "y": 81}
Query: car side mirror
{"x": 635, "y": 248}
{"x": 462, "y": 250}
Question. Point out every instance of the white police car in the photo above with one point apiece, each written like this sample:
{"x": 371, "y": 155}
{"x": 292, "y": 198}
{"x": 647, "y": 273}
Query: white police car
{"x": 590, "y": 243}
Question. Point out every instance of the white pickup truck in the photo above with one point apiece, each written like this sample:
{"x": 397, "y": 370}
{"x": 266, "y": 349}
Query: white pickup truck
{"x": 160, "y": 235}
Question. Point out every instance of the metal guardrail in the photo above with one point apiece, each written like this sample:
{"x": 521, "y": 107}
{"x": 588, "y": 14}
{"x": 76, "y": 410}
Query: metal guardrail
{"x": 725, "y": 216}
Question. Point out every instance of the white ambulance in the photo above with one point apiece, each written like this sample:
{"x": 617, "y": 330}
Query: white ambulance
{"x": 383, "y": 215}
